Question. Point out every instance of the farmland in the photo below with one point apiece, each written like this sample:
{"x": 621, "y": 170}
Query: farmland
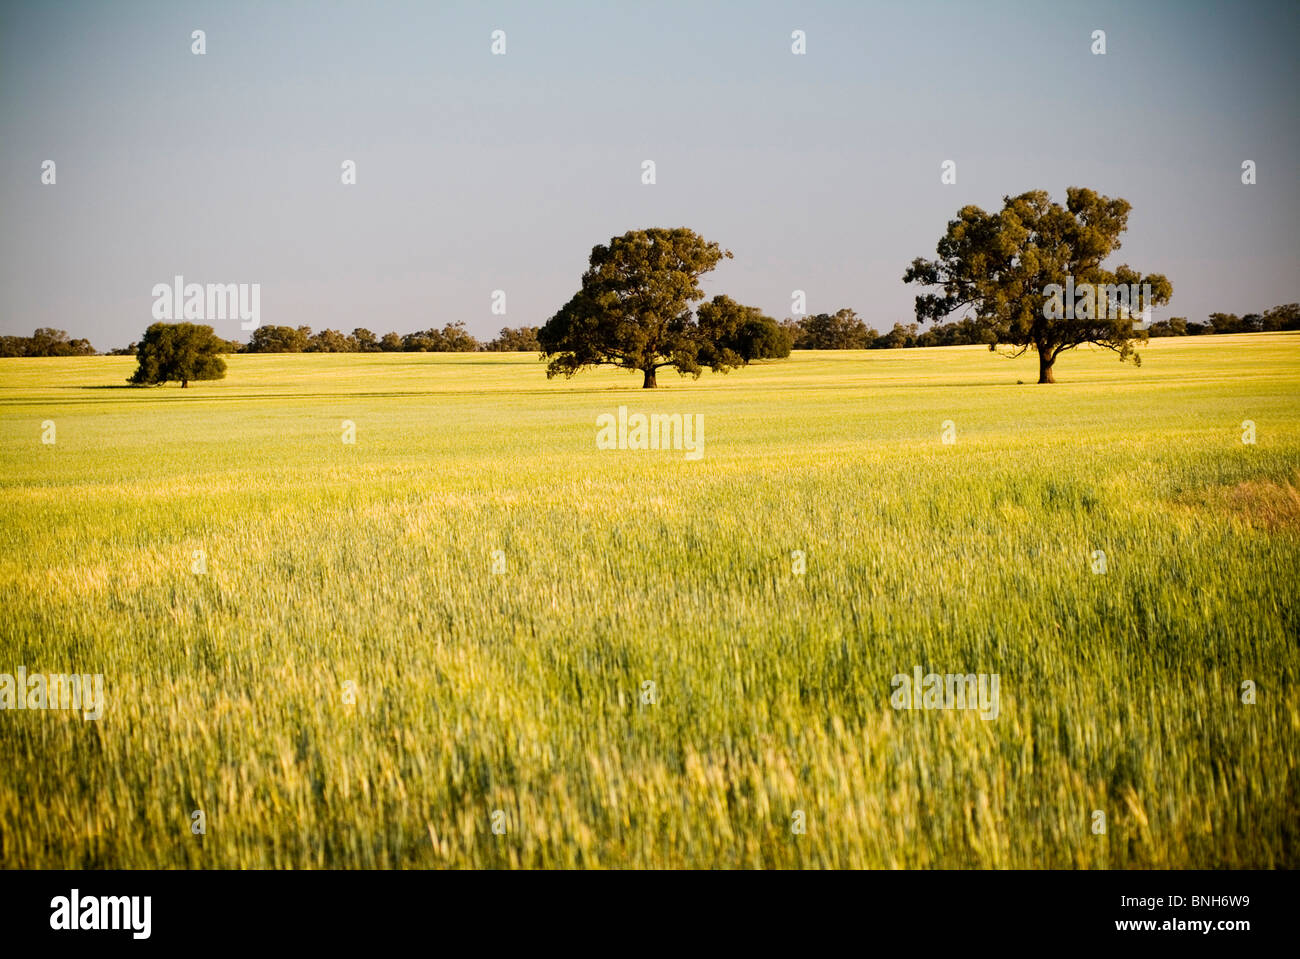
{"x": 371, "y": 653}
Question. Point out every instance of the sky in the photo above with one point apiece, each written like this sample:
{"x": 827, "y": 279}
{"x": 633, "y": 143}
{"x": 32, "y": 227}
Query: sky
{"x": 478, "y": 172}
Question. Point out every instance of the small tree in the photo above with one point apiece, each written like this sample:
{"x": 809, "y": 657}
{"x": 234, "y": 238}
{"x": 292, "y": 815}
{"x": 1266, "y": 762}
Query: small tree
{"x": 178, "y": 351}
{"x": 1009, "y": 268}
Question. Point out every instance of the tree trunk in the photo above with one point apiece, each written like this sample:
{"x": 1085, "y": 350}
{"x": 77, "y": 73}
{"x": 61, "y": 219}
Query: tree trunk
{"x": 184, "y": 383}
{"x": 1045, "y": 361}
{"x": 649, "y": 383}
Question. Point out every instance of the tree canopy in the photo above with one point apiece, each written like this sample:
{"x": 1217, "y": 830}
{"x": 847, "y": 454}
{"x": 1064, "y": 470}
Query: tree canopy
{"x": 45, "y": 342}
{"x": 521, "y": 340}
{"x": 634, "y": 311}
{"x": 1014, "y": 269}
{"x": 841, "y": 330}
{"x": 179, "y": 351}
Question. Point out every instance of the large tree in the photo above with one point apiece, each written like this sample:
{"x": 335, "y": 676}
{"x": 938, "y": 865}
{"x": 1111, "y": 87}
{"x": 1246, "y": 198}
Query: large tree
{"x": 179, "y": 351}
{"x": 1010, "y": 270}
{"x": 634, "y": 311}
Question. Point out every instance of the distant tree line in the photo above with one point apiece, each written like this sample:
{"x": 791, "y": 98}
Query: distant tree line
{"x": 1277, "y": 319}
{"x": 452, "y": 338}
{"x": 843, "y": 330}
{"x": 45, "y": 342}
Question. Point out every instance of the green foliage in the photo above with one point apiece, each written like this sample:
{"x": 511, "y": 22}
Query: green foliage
{"x": 364, "y": 341}
{"x": 1285, "y": 317}
{"x": 963, "y": 332}
{"x": 178, "y": 351}
{"x": 521, "y": 340}
{"x": 45, "y": 342}
{"x": 279, "y": 339}
{"x": 452, "y": 338}
{"x": 900, "y": 337}
{"x": 841, "y": 330}
{"x": 732, "y": 335}
{"x": 633, "y": 311}
{"x": 456, "y": 339}
{"x": 998, "y": 266}
{"x": 330, "y": 341}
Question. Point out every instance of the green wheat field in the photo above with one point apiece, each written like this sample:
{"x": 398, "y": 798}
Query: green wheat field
{"x": 522, "y": 693}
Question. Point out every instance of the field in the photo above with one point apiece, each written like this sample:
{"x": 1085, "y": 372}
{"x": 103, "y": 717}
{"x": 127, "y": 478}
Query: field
{"x": 365, "y": 571}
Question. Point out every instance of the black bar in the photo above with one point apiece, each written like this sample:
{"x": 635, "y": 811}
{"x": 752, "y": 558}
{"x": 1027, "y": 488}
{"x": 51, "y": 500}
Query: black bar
{"x": 662, "y": 910}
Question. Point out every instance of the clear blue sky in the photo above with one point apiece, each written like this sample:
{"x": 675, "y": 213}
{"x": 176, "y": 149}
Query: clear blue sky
{"x": 479, "y": 172}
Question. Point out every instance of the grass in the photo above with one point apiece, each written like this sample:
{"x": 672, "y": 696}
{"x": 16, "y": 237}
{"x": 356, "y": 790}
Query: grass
{"x": 521, "y": 692}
